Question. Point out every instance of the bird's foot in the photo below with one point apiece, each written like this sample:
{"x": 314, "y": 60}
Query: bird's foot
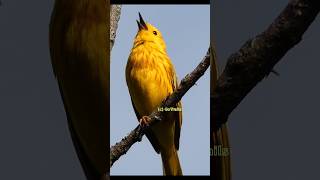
{"x": 144, "y": 121}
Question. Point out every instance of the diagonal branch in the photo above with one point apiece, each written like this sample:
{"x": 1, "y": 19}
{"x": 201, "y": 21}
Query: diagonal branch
{"x": 257, "y": 57}
{"x": 135, "y": 135}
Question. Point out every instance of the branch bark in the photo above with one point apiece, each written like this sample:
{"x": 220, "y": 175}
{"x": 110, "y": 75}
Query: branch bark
{"x": 156, "y": 116}
{"x": 257, "y": 57}
{"x": 114, "y": 19}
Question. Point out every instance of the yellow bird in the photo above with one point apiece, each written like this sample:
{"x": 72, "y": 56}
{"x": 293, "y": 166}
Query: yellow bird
{"x": 151, "y": 78}
{"x": 79, "y": 53}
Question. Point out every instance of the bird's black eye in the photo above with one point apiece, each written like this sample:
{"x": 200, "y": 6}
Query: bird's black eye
{"x": 155, "y": 32}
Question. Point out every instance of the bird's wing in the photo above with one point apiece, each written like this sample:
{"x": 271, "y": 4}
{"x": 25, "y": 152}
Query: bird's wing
{"x": 89, "y": 169}
{"x": 177, "y": 126}
{"x": 82, "y": 71}
{"x": 150, "y": 135}
{"x": 177, "y": 115}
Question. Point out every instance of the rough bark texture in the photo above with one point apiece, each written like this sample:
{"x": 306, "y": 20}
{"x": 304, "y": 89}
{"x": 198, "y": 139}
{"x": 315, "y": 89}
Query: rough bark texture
{"x": 114, "y": 19}
{"x": 257, "y": 56}
{"x": 112, "y": 24}
{"x": 135, "y": 135}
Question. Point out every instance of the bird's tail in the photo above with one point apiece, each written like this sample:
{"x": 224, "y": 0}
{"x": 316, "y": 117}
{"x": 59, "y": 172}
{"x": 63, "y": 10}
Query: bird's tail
{"x": 220, "y": 164}
{"x": 220, "y": 152}
{"x": 105, "y": 177}
{"x": 171, "y": 163}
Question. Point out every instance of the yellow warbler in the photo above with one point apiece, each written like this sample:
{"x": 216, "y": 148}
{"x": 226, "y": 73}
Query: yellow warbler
{"x": 79, "y": 53}
{"x": 151, "y": 77}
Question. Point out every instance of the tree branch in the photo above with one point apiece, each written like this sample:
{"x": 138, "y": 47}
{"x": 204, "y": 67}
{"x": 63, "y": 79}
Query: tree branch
{"x": 257, "y": 57}
{"x": 115, "y": 11}
{"x": 135, "y": 135}
{"x": 114, "y": 19}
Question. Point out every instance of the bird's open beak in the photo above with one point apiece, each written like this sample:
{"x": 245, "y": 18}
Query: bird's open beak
{"x": 141, "y": 24}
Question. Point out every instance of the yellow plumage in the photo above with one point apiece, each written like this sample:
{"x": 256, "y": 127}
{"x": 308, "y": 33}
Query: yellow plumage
{"x": 151, "y": 77}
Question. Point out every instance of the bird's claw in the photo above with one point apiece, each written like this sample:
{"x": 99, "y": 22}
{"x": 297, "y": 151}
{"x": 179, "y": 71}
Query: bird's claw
{"x": 144, "y": 121}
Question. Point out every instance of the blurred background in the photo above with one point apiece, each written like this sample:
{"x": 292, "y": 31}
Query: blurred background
{"x": 274, "y": 131}
{"x": 34, "y": 136}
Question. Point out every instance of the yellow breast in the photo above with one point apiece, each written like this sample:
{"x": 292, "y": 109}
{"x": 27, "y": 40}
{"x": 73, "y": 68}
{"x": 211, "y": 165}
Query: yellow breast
{"x": 150, "y": 78}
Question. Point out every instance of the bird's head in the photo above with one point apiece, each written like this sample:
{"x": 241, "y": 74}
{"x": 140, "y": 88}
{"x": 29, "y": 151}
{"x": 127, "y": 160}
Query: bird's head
{"x": 149, "y": 34}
